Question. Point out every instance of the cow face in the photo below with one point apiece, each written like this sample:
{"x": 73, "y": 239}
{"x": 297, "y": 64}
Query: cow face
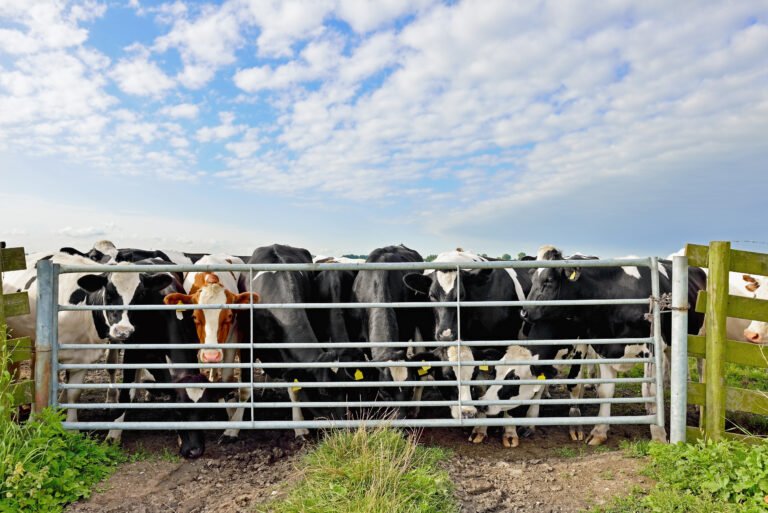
{"x": 120, "y": 289}
{"x": 549, "y": 284}
{"x": 191, "y": 441}
{"x": 214, "y": 325}
{"x": 442, "y": 286}
{"x": 512, "y": 372}
{"x": 757, "y": 331}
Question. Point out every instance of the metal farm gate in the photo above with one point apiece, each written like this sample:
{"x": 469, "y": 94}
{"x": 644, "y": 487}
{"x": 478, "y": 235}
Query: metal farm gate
{"x": 48, "y": 366}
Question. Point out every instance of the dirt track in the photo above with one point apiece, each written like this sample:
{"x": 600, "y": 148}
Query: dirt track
{"x": 537, "y": 476}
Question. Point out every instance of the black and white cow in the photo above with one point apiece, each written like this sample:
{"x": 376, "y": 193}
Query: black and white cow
{"x": 392, "y": 324}
{"x": 331, "y": 286}
{"x": 609, "y": 321}
{"x": 104, "y": 252}
{"x": 147, "y": 327}
{"x": 293, "y": 325}
{"x": 493, "y": 323}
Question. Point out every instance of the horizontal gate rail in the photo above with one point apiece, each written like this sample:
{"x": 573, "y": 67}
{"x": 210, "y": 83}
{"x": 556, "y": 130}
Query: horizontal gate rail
{"x": 345, "y": 365}
{"x": 313, "y": 424}
{"x": 360, "y": 384}
{"x": 351, "y": 404}
{"x": 257, "y": 387}
{"x": 356, "y": 345}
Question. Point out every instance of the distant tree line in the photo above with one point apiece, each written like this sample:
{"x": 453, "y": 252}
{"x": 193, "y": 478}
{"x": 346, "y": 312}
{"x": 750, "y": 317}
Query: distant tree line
{"x": 505, "y": 256}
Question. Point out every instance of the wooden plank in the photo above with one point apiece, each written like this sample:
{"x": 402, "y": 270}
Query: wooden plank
{"x": 749, "y": 401}
{"x": 22, "y": 393}
{"x": 16, "y": 303}
{"x": 20, "y": 349}
{"x": 743, "y": 353}
{"x": 717, "y": 303}
{"x": 12, "y": 259}
{"x": 693, "y": 434}
{"x": 749, "y": 262}
{"x": 741, "y": 307}
{"x": 697, "y": 255}
{"x": 697, "y": 393}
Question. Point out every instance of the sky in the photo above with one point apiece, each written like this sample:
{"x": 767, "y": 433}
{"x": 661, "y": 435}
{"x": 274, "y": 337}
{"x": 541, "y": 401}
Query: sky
{"x": 610, "y": 128}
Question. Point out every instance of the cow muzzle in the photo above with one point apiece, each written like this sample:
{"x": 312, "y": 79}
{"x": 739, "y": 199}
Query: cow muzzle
{"x": 210, "y": 355}
{"x": 446, "y": 335}
{"x": 121, "y": 332}
{"x": 753, "y": 336}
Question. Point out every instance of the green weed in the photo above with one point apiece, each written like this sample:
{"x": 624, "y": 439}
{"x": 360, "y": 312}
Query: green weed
{"x": 370, "y": 471}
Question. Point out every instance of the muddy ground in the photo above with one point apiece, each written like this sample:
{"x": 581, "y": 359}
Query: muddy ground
{"x": 548, "y": 472}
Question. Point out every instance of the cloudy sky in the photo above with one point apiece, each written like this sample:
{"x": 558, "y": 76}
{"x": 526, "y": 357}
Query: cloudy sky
{"x": 344, "y": 125}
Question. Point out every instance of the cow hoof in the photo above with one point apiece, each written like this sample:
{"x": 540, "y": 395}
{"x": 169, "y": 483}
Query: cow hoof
{"x": 658, "y": 434}
{"x": 526, "y": 432}
{"x": 227, "y": 439}
{"x": 594, "y": 439}
{"x": 510, "y": 441}
{"x": 477, "y": 438}
{"x": 576, "y": 434}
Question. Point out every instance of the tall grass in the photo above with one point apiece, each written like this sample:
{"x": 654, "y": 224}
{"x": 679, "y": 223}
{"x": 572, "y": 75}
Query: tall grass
{"x": 375, "y": 470}
{"x": 42, "y": 465}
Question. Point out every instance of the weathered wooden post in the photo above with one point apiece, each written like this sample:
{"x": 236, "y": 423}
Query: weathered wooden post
{"x": 11, "y": 305}
{"x": 717, "y": 305}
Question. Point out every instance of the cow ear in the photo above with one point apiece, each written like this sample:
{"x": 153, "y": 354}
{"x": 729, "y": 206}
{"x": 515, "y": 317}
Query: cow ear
{"x": 244, "y": 298}
{"x": 92, "y": 282}
{"x": 157, "y": 281}
{"x": 418, "y": 282}
{"x": 177, "y": 297}
{"x": 480, "y": 276}
{"x": 572, "y": 273}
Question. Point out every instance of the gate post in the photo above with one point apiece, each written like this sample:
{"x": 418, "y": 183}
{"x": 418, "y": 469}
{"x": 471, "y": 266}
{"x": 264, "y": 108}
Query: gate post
{"x": 717, "y": 304}
{"x": 679, "y": 357}
{"x": 44, "y": 335}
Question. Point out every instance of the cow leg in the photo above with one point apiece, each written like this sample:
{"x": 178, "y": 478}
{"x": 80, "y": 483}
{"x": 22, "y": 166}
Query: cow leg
{"x": 125, "y": 396}
{"x": 75, "y": 377}
{"x": 576, "y": 392}
{"x": 242, "y": 395}
{"x": 599, "y": 433}
{"x": 414, "y": 410}
{"x": 297, "y": 416}
{"x": 465, "y": 373}
{"x": 533, "y": 412}
{"x": 479, "y": 433}
{"x": 658, "y": 433}
{"x": 113, "y": 356}
{"x": 509, "y": 438}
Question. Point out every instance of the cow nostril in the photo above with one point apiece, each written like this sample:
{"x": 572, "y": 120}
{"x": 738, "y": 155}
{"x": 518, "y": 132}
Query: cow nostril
{"x": 752, "y": 336}
{"x": 194, "y": 453}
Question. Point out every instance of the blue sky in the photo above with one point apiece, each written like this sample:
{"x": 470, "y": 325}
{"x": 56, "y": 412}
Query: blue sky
{"x": 610, "y": 128}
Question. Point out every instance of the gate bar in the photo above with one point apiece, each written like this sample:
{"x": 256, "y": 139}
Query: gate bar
{"x": 679, "y": 364}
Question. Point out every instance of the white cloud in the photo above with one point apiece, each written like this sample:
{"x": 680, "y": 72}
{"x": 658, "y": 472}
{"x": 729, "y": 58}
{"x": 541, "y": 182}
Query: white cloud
{"x": 182, "y": 110}
{"x": 141, "y": 77}
{"x": 86, "y": 231}
{"x": 220, "y": 132}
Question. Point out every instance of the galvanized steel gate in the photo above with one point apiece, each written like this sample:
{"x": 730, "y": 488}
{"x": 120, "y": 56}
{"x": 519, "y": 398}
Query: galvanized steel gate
{"x": 48, "y": 366}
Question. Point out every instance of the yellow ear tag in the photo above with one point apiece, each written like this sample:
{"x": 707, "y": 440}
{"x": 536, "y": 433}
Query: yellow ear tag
{"x": 572, "y": 276}
{"x": 358, "y": 375}
{"x": 483, "y": 367}
{"x": 542, "y": 376}
{"x": 424, "y": 369}
{"x": 296, "y": 389}
{"x": 180, "y": 303}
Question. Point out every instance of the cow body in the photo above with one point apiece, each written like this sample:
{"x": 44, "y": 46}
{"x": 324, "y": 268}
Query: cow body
{"x": 331, "y": 286}
{"x": 609, "y": 321}
{"x": 493, "y": 323}
{"x": 391, "y": 324}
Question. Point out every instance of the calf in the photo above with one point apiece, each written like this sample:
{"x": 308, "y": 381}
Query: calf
{"x": 608, "y": 321}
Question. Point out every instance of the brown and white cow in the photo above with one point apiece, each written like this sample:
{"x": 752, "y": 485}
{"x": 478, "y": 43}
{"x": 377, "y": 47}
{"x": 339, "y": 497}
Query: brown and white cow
{"x": 216, "y": 326}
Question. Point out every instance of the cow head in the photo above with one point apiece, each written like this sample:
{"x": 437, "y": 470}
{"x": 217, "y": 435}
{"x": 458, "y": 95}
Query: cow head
{"x": 191, "y": 441}
{"x": 757, "y": 331}
{"x": 119, "y": 289}
{"x": 214, "y": 325}
{"x": 550, "y": 284}
{"x": 513, "y": 373}
{"x": 442, "y": 286}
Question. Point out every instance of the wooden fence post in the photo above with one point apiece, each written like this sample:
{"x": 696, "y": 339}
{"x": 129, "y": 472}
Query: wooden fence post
{"x": 717, "y": 305}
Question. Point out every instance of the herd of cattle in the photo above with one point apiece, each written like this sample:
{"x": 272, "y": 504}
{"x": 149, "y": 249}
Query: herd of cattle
{"x": 310, "y": 326}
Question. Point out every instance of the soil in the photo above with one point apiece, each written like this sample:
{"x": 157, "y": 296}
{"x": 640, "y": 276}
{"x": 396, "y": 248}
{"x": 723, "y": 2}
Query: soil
{"x": 548, "y": 472}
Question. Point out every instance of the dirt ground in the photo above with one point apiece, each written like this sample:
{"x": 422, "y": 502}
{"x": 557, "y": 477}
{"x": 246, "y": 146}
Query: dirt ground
{"x": 547, "y": 473}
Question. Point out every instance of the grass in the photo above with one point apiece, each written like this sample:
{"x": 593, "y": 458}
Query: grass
{"x": 376, "y": 470}
{"x": 706, "y": 477}
{"x": 42, "y": 465}
{"x": 140, "y": 453}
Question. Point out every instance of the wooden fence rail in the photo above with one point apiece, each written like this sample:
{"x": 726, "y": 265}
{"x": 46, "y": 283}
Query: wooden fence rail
{"x": 18, "y": 349}
{"x": 717, "y": 304}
